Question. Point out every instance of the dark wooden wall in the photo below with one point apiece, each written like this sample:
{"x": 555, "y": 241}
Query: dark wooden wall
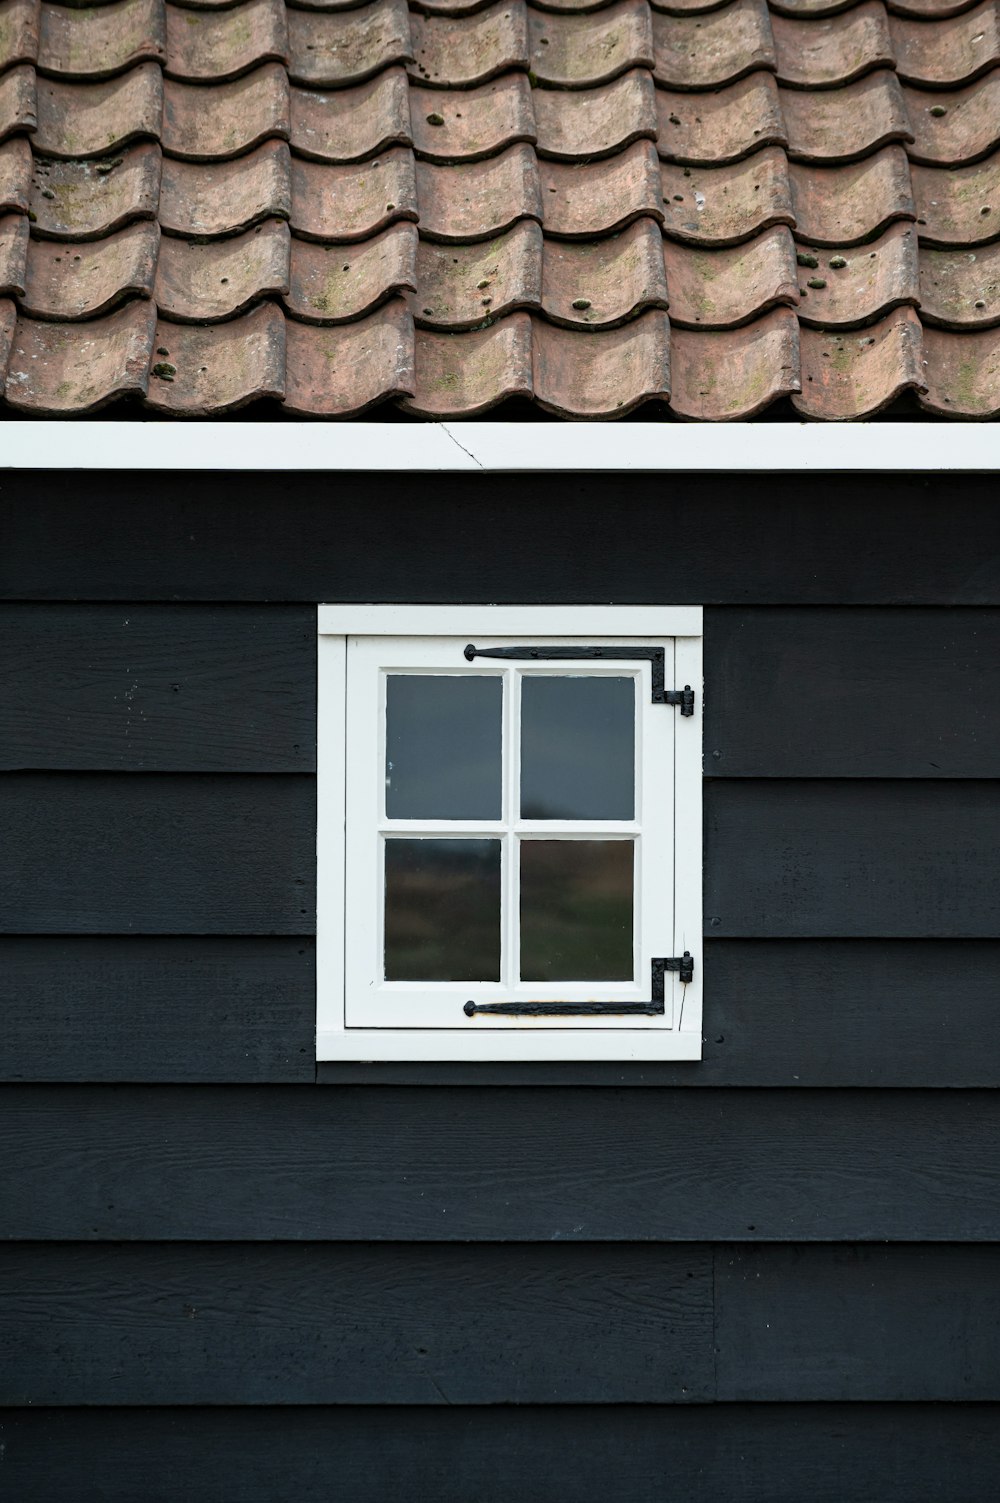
{"x": 225, "y": 1276}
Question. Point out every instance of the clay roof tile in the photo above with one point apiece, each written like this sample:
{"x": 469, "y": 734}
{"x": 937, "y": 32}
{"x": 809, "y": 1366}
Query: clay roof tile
{"x": 852, "y": 201}
{"x": 201, "y": 369}
{"x": 705, "y": 51}
{"x": 99, "y": 41}
{"x": 602, "y": 283}
{"x": 341, "y": 372}
{"x": 842, "y": 125}
{"x": 733, "y": 374}
{"x": 595, "y": 122}
{"x": 461, "y": 286}
{"x": 860, "y": 284}
{"x": 207, "y": 46}
{"x": 824, "y": 53}
{"x": 708, "y": 130}
{"x": 18, "y": 104}
{"x": 460, "y": 375}
{"x": 958, "y": 205}
{"x": 70, "y": 282}
{"x": 205, "y": 123}
{"x": 353, "y": 201}
{"x": 960, "y": 289}
{"x": 15, "y": 175}
{"x": 95, "y": 119}
{"x": 18, "y": 33}
{"x": 476, "y": 200}
{"x": 948, "y": 53}
{"x": 854, "y": 374}
{"x": 469, "y": 124}
{"x": 602, "y": 373}
{"x": 955, "y": 127}
{"x": 335, "y": 284}
{"x": 13, "y": 254}
{"x": 962, "y": 372}
{"x": 87, "y": 200}
{"x": 221, "y": 198}
{"x": 580, "y": 199}
{"x": 725, "y": 205}
{"x": 721, "y": 289}
{"x": 456, "y": 52}
{"x": 577, "y": 51}
{"x": 202, "y": 283}
{"x": 351, "y": 124}
{"x": 330, "y": 49}
{"x": 67, "y": 369}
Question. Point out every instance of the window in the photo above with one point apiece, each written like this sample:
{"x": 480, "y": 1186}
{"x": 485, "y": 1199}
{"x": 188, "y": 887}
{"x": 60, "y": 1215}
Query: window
{"x": 509, "y": 833}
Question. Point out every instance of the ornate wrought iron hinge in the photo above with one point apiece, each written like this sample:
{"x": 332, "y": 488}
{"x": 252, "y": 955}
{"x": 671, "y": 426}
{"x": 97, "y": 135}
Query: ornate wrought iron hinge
{"x": 661, "y": 695}
{"x": 683, "y": 964}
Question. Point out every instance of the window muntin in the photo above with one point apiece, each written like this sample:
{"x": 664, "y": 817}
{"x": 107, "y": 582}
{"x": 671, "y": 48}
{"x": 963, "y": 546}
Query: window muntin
{"x": 562, "y": 848}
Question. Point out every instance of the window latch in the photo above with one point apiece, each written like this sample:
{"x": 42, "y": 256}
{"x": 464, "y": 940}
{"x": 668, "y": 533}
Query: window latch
{"x": 655, "y": 656}
{"x": 683, "y": 964}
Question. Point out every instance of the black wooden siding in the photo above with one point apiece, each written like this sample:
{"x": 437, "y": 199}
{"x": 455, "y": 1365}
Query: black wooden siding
{"x": 768, "y": 1277}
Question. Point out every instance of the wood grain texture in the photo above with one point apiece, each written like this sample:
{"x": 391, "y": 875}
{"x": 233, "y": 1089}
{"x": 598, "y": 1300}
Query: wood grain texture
{"x": 153, "y": 688}
{"x": 858, "y": 1323}
{"x": 235, "y": 1163}
{"x": 157, "y": 853}
{"x": 841, "y": 1013}
{"x": 905, "y": 859}
{"x": 774, "y": 1453}
{"x": 191, "y": 1008}
{"x": 698, "y": 539}
{"x": 855, "y": 693}
{"x": 355, "y": 1325}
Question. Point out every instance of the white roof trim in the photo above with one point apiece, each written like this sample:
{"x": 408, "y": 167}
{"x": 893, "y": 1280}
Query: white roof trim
{"x": 511, "y": 447}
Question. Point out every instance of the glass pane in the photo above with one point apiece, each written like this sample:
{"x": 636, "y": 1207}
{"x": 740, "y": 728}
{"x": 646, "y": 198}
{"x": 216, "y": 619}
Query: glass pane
{"x": 442, "y": 910}
{"x": 576, "y": 910}
{"x": 442, "y": 746}
{"x": 577, "y": 747}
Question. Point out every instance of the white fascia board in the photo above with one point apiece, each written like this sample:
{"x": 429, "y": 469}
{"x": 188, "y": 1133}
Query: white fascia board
{"x": 741, "y": 448}
{"x": 504, "y": 620}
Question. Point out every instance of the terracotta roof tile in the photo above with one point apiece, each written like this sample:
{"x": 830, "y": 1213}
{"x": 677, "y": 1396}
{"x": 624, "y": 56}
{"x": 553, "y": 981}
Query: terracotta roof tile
{"x": 349, "y": 125}
{"x": 725, "y": 205}
{"x": 74, "y": 282}
{"x": 13, "y": 254}
{"x": 205, "y": 123}
{"x": 955, "y": 127}
{"x": 334, "y": 284}
{"x": 221, "y": 198}
{"x": 595, "y": 122}
{"x": 75, "y": 368}
{"x": 200, "y": 283}
{"x": 334, "y": 48}
{"x": 860, "y": 284}
{"x": 958, "y": 205}
{"x": 736, "y": 373}
{"x": 705, "y": 130}
{"x": 946, "y": 56}
{"x": 601, "y": 283}
{"x": 15, "y": 175}
{"x": 706, "y": 51}
{"x": 461, "y": 286}
{"x": 720, "y": 289}
{"x": 856, "y": 373}
{"x": 200, "y": 369}
{"x": 355, "y": 201}
{"x": 842, "y": 125}
{"x": 8, "y": 325}
{"x": 819, "y": 54}
{"x": 462, "y": 374}
{"x": 962, "y": 372}
{"x": 18, "y": 32}
{"x": 476, "y": 200}
{"x": 209, "y": 46}
{"x": 94, "y": 119}
{"x": 102, "y": 41}
{"x": 87, "y": 200}
{"x": 850, "y": 203}
{"x": 603, "y": 373}
{"x": 343, "y": 371}
{"x": 336, "y": 204}
{"x": 18, "y": 108}
{"x": 580, "y": 199}
{"x": 469, "y": 124}
{"x": 455, "y": 51}
{"x": 960, "y": 289}
{"x": 576, "y": 51}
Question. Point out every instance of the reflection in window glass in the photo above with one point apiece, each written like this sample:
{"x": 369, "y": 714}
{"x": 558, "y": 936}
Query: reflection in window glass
{"x": 576, "y": 910}
{"x": 442, "y": 910}
{"x": 443, "y": 746}
{"x": 577, "y": 747}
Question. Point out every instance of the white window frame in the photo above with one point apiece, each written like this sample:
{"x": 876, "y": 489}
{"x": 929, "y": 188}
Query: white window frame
{"x": 675, "y": 740}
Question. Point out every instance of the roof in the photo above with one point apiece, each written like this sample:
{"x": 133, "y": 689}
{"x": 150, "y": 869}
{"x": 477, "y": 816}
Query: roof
{"x": 710, "y": 208}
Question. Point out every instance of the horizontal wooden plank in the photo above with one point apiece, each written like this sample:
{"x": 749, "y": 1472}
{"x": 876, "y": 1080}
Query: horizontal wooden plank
{"x": 579, "y": 538}
{"x": 855, "y": 693}
{"x": 434, "y": 1324}
{"x": 207, "y": 1163}
{"x": 313, "y": 1324}
{"x": 910, "y": 859}
{"x": 796, "y": 1012}
{"x": 858, "y": 1323}
{"x": 158, "y": 688}
{"x": 157, "y": 853}
{"x": 189, "y": 1008}
{"x": 779, "y": 1013}
{"x": 775, "y": 1453}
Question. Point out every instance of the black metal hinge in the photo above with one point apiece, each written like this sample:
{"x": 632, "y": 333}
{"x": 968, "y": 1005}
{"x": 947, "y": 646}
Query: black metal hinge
{"x": 683, "y": 964}
{"x": 661, "y": 695}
